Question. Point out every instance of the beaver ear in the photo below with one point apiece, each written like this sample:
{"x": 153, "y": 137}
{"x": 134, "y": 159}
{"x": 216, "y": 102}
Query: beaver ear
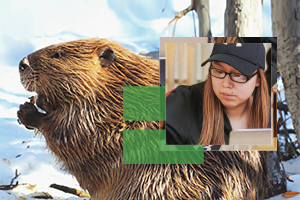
{"x": 107, "y": 57}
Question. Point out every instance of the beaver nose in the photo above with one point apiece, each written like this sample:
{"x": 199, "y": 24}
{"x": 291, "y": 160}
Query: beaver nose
{"x": 24, "y": 64}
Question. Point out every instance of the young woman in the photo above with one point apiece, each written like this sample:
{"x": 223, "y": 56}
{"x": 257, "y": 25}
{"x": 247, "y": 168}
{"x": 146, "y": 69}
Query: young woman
{"x": 234, "y": 96}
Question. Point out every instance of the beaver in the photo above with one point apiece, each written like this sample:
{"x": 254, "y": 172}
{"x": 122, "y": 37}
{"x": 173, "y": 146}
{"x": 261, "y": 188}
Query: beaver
{"x": 79, "y": 86}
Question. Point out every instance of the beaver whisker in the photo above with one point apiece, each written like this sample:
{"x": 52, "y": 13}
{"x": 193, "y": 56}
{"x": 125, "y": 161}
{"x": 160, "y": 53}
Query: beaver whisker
{"x": 28, "y": 84}
{"x": 27, "y": 72}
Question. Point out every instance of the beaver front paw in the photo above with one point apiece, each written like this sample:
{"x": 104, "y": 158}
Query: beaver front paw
{"x": 29, "y": 116}
{"x": 43, "y": 103}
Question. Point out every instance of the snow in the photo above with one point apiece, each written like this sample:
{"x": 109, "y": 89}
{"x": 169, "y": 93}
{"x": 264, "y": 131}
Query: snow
{"x": 292, "y": 169}
{"x": 21, "y": 150}
{"x": 29, "y": 25}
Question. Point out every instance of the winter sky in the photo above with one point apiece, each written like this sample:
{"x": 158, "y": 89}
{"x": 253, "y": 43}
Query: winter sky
{"x": 134, "y": 22}
{"x": 28, "y": 25}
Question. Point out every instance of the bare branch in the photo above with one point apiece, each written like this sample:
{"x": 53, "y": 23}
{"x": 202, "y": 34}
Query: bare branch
{"x": 179, "y": 15}
{"x": 11, "y": 186}
{"x": 70, "y": 190}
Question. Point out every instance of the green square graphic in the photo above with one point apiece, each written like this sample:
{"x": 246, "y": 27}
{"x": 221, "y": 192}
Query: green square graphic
{"x": 147, "y": 103}
{"x": 143, "y": 147}
{"x": 143, "y": 103}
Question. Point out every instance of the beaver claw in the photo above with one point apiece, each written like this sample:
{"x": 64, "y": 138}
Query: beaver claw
{"x": 29, "y": 116}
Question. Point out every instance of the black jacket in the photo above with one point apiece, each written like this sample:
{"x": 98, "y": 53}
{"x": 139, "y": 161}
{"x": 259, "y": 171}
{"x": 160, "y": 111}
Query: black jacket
{"x": 184, "y": 115}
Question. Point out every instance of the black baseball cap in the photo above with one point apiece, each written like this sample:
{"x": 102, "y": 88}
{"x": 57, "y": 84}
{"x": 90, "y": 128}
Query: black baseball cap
{"x": 245, "y": 57}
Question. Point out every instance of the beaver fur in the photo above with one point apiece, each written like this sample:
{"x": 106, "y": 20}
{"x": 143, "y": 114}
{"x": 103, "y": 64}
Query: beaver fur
{"x": 79, "y": 85}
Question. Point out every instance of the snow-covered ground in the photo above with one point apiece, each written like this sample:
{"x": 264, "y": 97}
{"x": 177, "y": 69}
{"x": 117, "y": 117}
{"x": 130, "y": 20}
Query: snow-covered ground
{"x": 21, "y": 150}
{"x": 293, "y": 171}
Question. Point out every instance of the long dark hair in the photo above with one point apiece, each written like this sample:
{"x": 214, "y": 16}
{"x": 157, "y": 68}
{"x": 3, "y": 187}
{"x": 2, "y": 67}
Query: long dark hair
{"x": 213, "y": 122}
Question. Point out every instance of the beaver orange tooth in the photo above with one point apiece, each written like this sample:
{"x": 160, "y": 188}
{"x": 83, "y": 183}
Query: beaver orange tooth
{"x": 290, "y": 194}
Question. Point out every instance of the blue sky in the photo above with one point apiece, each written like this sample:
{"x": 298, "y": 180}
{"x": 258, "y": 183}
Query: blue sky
{"x": 28, "y": 25}
{"x": 139, "y": 24}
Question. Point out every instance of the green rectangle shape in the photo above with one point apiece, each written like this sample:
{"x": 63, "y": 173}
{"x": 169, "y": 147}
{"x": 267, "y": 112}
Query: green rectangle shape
{"x": 143, "y": 147}
{"x": 143, "y": 103}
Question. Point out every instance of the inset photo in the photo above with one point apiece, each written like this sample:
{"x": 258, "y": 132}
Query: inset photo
{"x": 218, "y": 94}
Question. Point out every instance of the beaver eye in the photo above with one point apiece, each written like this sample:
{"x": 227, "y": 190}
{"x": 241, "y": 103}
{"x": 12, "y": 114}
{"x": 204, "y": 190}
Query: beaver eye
{"x": 56, "y": 55}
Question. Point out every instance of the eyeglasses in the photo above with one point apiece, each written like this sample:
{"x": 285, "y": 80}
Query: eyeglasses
{"x": 236, "y": 77}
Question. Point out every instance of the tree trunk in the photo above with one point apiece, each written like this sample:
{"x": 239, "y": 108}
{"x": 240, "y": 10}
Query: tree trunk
{"x": 286, "y": 27}
{"x": 202, "y": 9}
{"x": 243, "y": 18}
